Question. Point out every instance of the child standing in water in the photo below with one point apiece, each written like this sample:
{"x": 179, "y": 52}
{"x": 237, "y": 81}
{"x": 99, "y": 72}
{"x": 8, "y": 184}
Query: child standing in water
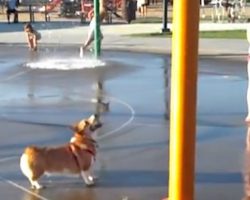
{"x": 91, "y": 32}
{"x": 32, "y": 36}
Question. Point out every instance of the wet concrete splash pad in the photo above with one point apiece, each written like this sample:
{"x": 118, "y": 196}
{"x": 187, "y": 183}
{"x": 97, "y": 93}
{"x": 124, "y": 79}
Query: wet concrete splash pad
{"x": 38, "y": 103}
{"x": 66, "y": 64}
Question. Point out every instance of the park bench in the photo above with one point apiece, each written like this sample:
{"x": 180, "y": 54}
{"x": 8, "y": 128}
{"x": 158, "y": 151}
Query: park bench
{"x": 34, "y": 6}
{"x": 30, "y": 7}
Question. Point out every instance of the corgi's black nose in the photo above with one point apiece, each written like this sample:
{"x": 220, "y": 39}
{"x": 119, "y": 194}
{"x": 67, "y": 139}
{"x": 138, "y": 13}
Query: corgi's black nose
{"x": 95, "y": 126}
{"x": 98, "y": 125}
{"x": 96, "y": 116}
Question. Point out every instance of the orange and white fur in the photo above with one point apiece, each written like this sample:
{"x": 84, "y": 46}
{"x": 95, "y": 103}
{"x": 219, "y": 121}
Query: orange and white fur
{"x": 75, "y": 157}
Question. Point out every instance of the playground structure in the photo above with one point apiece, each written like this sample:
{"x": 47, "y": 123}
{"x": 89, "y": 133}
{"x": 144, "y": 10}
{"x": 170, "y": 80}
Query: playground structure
{"x": 111, "y": 7}
{"x": 230, "y": 10}
{"x": 80, "y": 8}
{"x": 64, "y": 8}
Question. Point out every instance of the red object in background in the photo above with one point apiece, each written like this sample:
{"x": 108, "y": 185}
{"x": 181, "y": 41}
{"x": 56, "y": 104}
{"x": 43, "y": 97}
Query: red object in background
{"x": 91, "y": 13}
{"x": 87, "y": 9}
{"x": 117, "y": 3}
{"x": 51, "y": 5}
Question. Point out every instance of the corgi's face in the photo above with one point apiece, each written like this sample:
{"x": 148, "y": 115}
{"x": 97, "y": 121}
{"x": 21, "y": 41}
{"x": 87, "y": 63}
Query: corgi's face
{"x": 87, "y": 126}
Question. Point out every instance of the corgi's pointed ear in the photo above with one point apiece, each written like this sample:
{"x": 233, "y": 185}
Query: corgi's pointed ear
{"x": 81, "y": 125}
{"x": 91, "y": 119}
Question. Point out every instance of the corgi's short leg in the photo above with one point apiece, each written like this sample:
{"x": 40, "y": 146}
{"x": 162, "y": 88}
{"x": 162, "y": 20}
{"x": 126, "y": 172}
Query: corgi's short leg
{"x": 89, "y": 180}
{"x": 92, "y": 174}
{"x": 92, "y": 170}
{"x": 35, "y": 184}
{"x": 32, "y": 174}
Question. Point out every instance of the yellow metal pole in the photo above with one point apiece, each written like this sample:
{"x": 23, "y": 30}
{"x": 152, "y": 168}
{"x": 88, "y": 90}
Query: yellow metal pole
{"x": 183, "y": 99}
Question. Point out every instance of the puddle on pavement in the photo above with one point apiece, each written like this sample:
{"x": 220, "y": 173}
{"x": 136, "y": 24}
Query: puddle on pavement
{"x": 31, "y": 79}
{"x": 135, "y": 86}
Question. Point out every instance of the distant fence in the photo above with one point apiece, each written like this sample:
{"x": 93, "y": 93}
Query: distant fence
{"x": 230, "y": 10}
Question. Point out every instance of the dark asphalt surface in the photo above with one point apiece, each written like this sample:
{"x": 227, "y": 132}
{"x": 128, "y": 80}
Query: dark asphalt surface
{"x": 37, "y": 105}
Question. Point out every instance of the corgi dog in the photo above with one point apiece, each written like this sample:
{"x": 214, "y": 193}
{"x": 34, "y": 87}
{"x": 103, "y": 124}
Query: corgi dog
{"x": 75, "y": 157}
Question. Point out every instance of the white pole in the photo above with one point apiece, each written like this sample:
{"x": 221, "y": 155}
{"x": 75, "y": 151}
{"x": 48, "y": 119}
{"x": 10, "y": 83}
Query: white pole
{"x": 203, "y": 15}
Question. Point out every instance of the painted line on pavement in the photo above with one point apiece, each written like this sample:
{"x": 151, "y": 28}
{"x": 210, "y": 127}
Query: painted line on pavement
{"x": 16, "y": 185}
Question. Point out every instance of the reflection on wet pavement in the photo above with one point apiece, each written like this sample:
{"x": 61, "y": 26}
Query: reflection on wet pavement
{"x": 130, "y": 94}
